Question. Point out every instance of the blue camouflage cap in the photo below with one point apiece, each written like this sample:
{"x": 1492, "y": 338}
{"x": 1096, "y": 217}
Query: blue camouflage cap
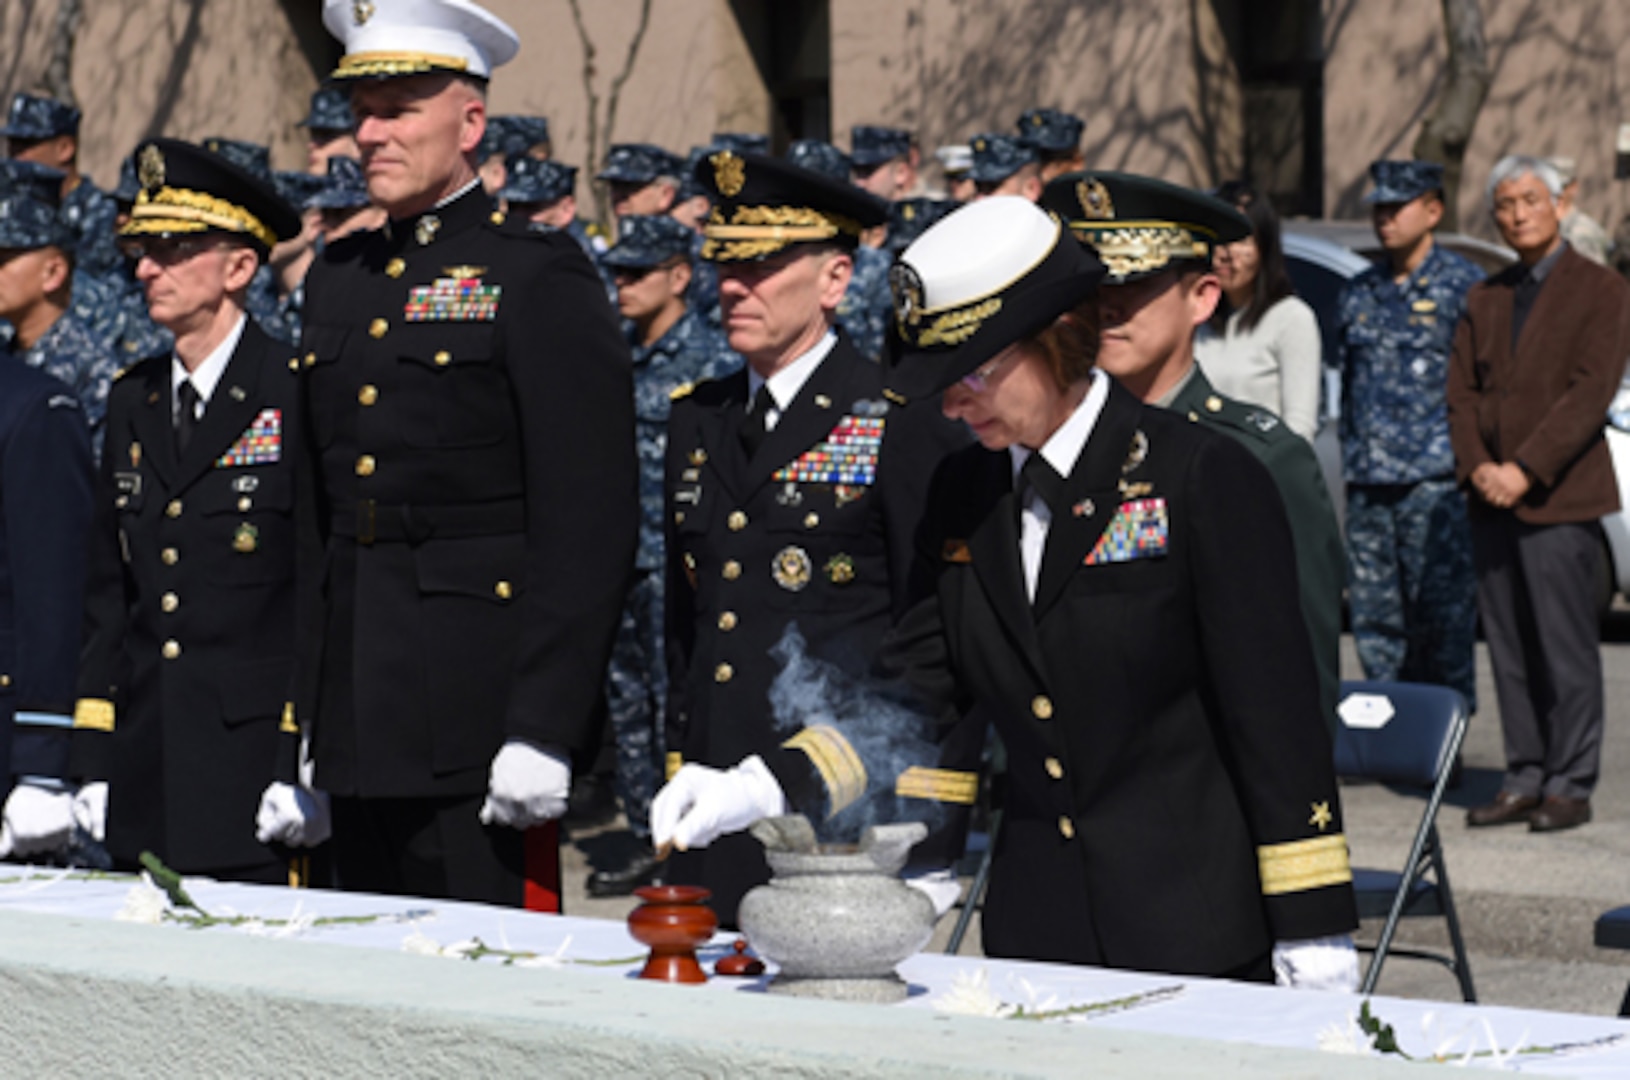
{"x": 532, "y": 181}
{"x": 297, "y": 188}
{"x": 343, "y": 187}
{"x": 689, "y": 186}
{"x": 648, "y": 240}
{"x": 252, "y": 158}
{"x": 1401, "y": 181}
{"x": 638, "y": 163}
{"x": 997, "y": 156}
{"x": 28, "y": 221}
{"x": 510, "y": 135}
{"x": 1051, "y": 131}
{"x": 818, "y": 155}
{"x": 129, "y": 186}
{"x": 39, "y": 182}
{"x": 32, "y": 117}
{"x": 742, "y": 142}
{"x": 870, "y": 145}
{"x": 910, "y": 218}
{"x": 330, "y": 111}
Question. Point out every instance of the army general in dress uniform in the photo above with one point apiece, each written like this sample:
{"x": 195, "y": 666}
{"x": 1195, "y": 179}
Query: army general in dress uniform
{"x": 188, "y": 661}
{"x": 1116, "y": 585}
{"x": 475, "y": 505}
{"x": 794, "y": 489}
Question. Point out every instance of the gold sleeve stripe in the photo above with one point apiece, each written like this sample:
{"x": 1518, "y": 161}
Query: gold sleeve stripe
{"x": 1303, "y": 864}
{"x": 288, "y": 726}
{"x": 836, "y": 761}
{"x": 93, "y": 714}
{"x": 672, "y": 765}
{"x": 944, "y": 785}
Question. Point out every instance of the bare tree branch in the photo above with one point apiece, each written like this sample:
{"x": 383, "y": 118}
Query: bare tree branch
{"x": 628, "y": 67}
{"x": 1448, "y": 130}
{"x": 59, "y": 70}
{"x": 600, "y": 138}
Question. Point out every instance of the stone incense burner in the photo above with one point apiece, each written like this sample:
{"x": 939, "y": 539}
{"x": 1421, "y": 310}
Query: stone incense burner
{"x": 837, "y": 918}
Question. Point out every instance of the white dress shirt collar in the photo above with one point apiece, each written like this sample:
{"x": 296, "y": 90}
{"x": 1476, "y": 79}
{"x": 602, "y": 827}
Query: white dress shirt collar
{"x": 208, "y": 374}
{"x": 785, "y": 384}
{"x": 1064, "y": 448}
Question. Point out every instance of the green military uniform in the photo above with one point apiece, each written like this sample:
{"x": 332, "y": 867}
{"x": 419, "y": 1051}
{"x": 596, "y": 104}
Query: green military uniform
{"x": 1320, "y": 565}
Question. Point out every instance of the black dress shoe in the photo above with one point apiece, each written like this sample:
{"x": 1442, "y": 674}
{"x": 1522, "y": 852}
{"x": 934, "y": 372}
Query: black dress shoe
{"x": 1559, "y": 812}
{"x": 1506, "y": 809}
{"x": 641, "y": 868}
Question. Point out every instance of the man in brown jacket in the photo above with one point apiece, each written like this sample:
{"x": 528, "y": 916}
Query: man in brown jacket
{"x": 1536, "y": 360}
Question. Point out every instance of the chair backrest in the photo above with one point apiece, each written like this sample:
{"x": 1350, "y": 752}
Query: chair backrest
{"x": 1399, "y": 733}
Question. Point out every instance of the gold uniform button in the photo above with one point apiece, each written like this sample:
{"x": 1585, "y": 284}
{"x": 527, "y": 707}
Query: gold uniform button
{"x": 1213, "y": 403}
{"x": 679, "y": 517}
{"x": 504, "y": 590}
{"x": 1066, "y": 828}
{"x": 1042, "y": 706}
{"x": 294, "y": 363}
{"x": 172, "y": 649}
{"x": 244, "y": 503}
{"x": 173, "y": 508}
{"x": 5, "y": 680}
{"x": 723, "y": 673}
{"x": 377, "y": 328}
{"x": 368, "y": 394}
{"x": 170, "y": 556}
{"x": 395, "y": 267}
{"x": 1054, "y": 767}
{"x": 732, "y": 570}
{"x": 366, "y": 465}
{"x": 497, "y": 217}
{"x": 811, "y": 520}
{"x": 727, "y": 621}
{"x": 443, "y": 358}
{"x": 311, "y": 358}
{"x": 169, "y": 602}
{"x": 737, "y": 521}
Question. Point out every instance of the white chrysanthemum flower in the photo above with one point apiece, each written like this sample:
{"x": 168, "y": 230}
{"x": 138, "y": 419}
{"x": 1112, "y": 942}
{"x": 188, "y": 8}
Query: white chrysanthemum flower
{"x": 461, "y": 950}
{"x": 144, "y": 903}
{"x": 970, "y": 995}
{"x": 420, "y": 944}
{"x": 1345, "y": 1038}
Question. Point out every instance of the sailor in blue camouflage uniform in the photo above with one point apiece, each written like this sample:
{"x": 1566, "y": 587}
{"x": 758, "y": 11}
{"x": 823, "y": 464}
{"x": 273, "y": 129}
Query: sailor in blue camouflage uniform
{"x": 691, "y": 205}
{"x": 881, "y": 161}
{"x": 328, "y": 129}
{"x": 642, "y": 179}
{"x": 1411, "y": 586}
{"x": 46, "y": 131}
{"x": 48, "y": 333}
{"x": 545, "y": 194}
{"x": 910, "y": 218}
{"x": 1056, "y": 135}
{"x": 508, "y": 137}
{"x": 675, "y": 347}
{"x": 267, "y": 305}
{"x": 1004, "y": 165}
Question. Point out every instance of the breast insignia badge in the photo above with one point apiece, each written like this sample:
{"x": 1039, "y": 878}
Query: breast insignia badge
{"x": 791, "y": 568}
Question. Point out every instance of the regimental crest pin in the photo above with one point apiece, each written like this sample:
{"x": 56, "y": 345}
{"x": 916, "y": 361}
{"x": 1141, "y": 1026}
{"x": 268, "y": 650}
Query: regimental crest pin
{"x": 1136, "y": 452}
{"x": 150, "y": 167}
{"x": 729, "y": 173}
{"x": 427, "y": 228}
{"x": 246, "y": 539}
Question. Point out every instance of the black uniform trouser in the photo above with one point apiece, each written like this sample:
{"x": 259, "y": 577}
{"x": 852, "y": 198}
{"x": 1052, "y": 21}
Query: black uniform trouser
{"x": 1536, "y": 589}
{"x": 433, "y": 847}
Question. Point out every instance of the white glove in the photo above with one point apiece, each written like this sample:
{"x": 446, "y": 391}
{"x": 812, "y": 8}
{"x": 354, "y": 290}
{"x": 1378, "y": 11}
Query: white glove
{"x": 296, "y": 816}
{"x": 528, "y": 785}
{"x": 37, "y": 818}
{"x": 941, "y": 886}
{"x": 91, "y": 809}
{"x": 1327, "y": 963}
{"x": 701, "y": 804}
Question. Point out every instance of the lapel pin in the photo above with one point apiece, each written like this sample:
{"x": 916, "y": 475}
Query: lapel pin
{"x": 822, "y": 401}
{"x": 237, "y": 393}
{"x": 1084, "y": 508}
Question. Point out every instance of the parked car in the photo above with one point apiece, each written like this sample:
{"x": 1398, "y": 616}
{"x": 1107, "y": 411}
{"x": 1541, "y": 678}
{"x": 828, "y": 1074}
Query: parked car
{"x": 1322, "y": 256}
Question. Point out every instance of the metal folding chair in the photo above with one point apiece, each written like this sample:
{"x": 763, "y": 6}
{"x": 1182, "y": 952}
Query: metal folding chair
{"x": 1613, "y": 932}
{"x": 1409, "y": 735}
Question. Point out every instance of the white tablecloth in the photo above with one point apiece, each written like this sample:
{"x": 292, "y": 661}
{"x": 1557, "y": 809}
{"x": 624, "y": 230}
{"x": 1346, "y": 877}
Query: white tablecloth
{"x": 1206, "y": 1008}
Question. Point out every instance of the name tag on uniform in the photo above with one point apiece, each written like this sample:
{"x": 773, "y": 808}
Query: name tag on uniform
{"x": 260, "y": 444}
{"x": 1138, "y": 531}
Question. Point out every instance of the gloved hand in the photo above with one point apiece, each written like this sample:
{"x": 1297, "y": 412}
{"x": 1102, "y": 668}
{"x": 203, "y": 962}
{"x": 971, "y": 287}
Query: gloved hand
{"x": 940, "y": 886}
{"x": 701, "y": 804}
{"x": 1327, "y": 963}
{"x": 296, "y": 816}
{"x": 528, "y": 785}
{"x": 38, "y": 817}
{"x": 91, "y": 809}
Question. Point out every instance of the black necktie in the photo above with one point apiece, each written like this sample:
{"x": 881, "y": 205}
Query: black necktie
{"x": 752, "y": 428}
{"x": 186, "y": 417}
{"x": 1042, "y": 477}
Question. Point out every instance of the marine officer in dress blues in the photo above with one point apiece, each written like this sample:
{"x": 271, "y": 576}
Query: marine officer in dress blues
{"x": 183, "y": 725}
{"x": 1411, "y": 587}
{"x": 795, "y": 511}
{"x": 675, "y": 347}
{"x": 475, "y": 499}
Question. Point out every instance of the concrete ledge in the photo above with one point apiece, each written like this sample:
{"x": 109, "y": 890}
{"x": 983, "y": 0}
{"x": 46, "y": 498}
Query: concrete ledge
{"x": 95, "y": 998}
